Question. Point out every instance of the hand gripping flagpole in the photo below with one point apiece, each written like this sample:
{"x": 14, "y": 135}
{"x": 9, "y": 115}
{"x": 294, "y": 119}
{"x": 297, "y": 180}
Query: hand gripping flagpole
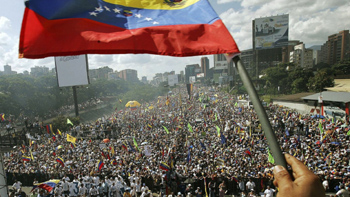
{"x": 265, "y": 123}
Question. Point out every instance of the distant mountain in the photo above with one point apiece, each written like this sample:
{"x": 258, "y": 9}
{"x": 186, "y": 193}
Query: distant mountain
{"x": 315, "y": 47}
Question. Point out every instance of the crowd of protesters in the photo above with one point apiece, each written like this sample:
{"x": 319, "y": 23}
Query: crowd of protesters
{"x": 211, "y": 142}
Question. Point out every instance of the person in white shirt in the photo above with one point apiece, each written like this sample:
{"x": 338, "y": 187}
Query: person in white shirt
{"x": 66, "y": 178}
{"x": 342, "y": 192}
{"x": 74, "y": 188}
{"x": 93, "y": 191}
{"x": 113, "y": 190}
{"x": 250, "y": 185}
{"x": 17, "y": 185}
{"x": 96, "y": 180}
{"x": 144, "y": 188}
{"x": 65, "y": 188}
{"x": 269, "y": 192}
{"x": 147, "y": 193}
{"x": 58, "y": 190}
{"x": 138, "y": 187}
{"x": 82, "y": 190}
{"x": 325, "y": 184}
{"x": 133, "y": 188}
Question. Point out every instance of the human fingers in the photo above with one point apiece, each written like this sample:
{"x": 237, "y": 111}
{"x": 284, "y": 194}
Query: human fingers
{"x": 283, "y": 180}
{"x": 299, "y": 169}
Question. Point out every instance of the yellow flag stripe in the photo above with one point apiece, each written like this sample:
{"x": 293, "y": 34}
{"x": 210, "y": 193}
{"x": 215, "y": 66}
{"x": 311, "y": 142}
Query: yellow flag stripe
{"x": 153, "y": 4}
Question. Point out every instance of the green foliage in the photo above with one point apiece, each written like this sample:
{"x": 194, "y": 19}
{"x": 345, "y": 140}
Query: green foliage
{"x": 342, "y": 68}
{"x": 60, "y": 123}
{"x": 275, "y": 76}
{"x": 298, "y": 79}
{"x": 321, "y": 66}
{"x": 321, "y": 80}
{"x": 29, "y": 96}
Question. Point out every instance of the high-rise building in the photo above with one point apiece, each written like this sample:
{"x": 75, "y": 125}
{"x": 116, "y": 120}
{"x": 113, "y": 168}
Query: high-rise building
{"x": 301, "y": 57}
{"x": 100, "y": 73}
{"x": 113, "y": 76}
{"x": 7, "y": 70}
{"x": 287, "y": 49}
{"x": 190, "y": 71}
{"x": 336, "y": 48}
{"x": 316, "y": 54}
{"x": 205, "y": 66}
{"x": 129, "y": 75}
{"x": 38, "y": 71}
{"x": 223, "y": 71}
{"x": 144, "y": 79}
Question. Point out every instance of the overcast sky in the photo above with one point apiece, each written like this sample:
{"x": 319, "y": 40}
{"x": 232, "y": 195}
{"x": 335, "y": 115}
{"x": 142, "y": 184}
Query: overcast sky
{"x": 310, "y": 21}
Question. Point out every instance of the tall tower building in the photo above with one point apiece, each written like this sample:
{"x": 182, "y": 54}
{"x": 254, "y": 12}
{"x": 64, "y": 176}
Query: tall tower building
{"x": 129, "y": 75}
{"x": 205, "y": 66}
{"x": 338, "y": 46}
{"x": 7, "y": 70}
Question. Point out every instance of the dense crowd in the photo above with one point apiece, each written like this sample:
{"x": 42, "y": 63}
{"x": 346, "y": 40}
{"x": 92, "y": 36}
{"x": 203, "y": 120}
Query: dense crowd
{"x": 209, "y": 137}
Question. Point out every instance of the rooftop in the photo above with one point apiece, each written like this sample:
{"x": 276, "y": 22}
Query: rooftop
{"x": 343, "y": 97}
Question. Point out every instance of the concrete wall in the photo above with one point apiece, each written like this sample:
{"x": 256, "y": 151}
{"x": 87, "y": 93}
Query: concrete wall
{"x": 300, "y": 107}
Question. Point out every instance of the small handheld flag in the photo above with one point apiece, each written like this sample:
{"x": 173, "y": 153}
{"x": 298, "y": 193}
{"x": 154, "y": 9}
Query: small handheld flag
{"x": 189, "y": 127}
{"x": 218, "y": 130}
{"x": 100, "y": 165}
{"x": 26, "y": 158}
{"x": 71, "y": 138}
{"x": 166, "y": 129}
{"x": 270, "y": 158}
{"x": 60, "y": 160}
{"x": 164, "y": 166}
{"x": 69, "y": 122}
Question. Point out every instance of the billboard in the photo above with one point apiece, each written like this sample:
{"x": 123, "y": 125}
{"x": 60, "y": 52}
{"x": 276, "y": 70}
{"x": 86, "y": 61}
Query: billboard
{"x": 172, "y": 80}
{"x": 192, "y": 79}
{"x": 72, "y": 70}
{"x": 271, "y": 32}
{"x": 200, "y": 75}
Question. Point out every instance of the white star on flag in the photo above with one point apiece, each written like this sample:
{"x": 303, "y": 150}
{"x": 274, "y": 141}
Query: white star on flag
{"x": 155, "y": 23}
{"x": 116, "y": 10}
{"x": 99, "y": 9}
{"x": 148, "y": 19}
{"x": 93, "y": 13}
{"x": 107, "y": 8}
{"x": 138, "y": 15}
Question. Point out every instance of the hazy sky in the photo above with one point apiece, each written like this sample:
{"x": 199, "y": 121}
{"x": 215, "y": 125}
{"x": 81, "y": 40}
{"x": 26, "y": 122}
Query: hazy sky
{"x": 310, "y": 21}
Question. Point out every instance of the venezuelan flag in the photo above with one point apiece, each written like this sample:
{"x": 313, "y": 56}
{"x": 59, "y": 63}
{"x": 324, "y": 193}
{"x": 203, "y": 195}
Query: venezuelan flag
{"x": 26, "y": 158}
{"x": 100, "y": 165}
{"x": 124, "y": 146}
{"x": 47, "y": 185}
{"x": 60, "y": 160}
{"x": 73, "y": 145}
{"x": 163, "y": 27}
{"x": 164, "y": 166}
{"x": 248, "y": 152}
{"x": 235, "y": 179}
{"x": 114, "y": 162}
{"x": 49, "y": 128}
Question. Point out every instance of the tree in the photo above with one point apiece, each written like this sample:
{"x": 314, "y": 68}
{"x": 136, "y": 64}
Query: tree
{"x": 298, "y": 79}
{"x": 275, "y": 76}
{"x": 342, "y": 68}
{"x": 321, "y": 80}
{"x": 321, "y": 66}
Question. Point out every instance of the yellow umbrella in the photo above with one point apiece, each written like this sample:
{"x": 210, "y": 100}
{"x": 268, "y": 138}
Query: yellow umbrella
{"x": 132, "y": 104}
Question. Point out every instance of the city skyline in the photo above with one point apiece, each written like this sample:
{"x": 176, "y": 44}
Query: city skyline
{"x": 310, "y": 22}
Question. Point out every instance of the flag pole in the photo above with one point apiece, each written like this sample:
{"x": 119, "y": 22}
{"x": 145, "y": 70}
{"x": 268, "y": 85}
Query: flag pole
{"x": 265, "y": 123}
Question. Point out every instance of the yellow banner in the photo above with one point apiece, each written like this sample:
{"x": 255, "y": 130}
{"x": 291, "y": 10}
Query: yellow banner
{"x": 71, "y": 138}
